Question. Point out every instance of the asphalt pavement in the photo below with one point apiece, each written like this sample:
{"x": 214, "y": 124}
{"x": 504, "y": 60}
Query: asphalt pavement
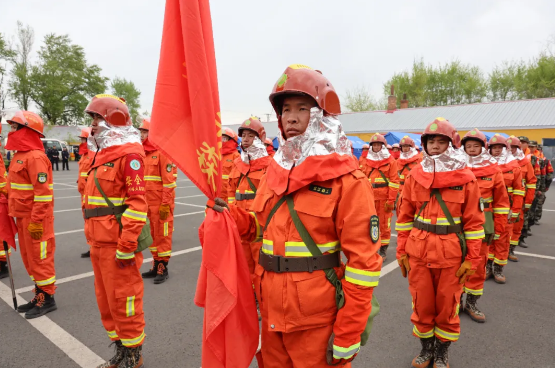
{"x": 518, "y": 331}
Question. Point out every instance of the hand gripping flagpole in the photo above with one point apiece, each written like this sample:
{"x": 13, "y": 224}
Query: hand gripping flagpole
{"x": 6, "y": 249}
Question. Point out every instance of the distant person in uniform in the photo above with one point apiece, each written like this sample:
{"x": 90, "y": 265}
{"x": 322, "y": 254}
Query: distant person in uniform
{"x": 65, "y": 159}
{"x": 55, "y": 159}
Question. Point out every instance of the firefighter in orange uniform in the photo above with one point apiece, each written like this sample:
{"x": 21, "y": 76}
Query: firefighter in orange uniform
{"x": 315, "y": 177}
{"x": 529, "y": 182}
{"x": 84, "y": 164}
{"x": 229, "y": 154}
{"x": 30, "y": 201}
{"x": 381, "y": 170}
{"x": 160, "y": 197}
{"x": 408, "y": 158}
{"x": 501, "y": 249}
{"x": 395, "y": 150}
{"x": 117, "y": 173}
{"x": 3, "y": 191}
{"x": 496, "y": 211}
{"x": 269, "y": 147}
{"x": 247, "y": 172}
{"x": 440, "y": 209}
{"x": 363, "y": 155}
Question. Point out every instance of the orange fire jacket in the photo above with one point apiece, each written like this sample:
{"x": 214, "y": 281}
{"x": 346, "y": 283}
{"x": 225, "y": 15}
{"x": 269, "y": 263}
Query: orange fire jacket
{"x": 227, "y": 166}
{"x": 404, "y": 171}
{"x": 440, "y": 251}
{"x": 337, "y": 215}
{"x": 515, "y": 189}
{"x": 160, "y": 178}
{"x": 242, "y": 186}
{"x": 496, "y": 199}
{"x": 389, "y": 170}
{"x": 84, "y": 164}
{"x": 3, "y": 174}
{"x": 529, "y": 181}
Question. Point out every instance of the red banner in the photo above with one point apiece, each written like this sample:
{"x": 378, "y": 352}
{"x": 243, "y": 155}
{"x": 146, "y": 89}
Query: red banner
{"x": 7, "y": 224}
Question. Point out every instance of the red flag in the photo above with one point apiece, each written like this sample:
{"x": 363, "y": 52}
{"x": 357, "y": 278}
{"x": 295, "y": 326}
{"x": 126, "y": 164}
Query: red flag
{"x": 186, "y": 126}
{"x": 7, "y": 224}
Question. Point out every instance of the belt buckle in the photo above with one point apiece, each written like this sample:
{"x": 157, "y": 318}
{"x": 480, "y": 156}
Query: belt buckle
{"x": 441, "y": 230}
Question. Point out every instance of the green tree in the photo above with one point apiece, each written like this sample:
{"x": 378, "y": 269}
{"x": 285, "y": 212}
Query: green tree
{"x": 127, "y": 89}
{"x": 62, "y": 82}
{"x": 20, "y": 88}
{"x": 6, "y": 55}
{"x": 360, "y": 99}
{"x": 540, "y": 77}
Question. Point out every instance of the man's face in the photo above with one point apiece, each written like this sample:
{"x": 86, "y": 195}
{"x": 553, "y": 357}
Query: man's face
{"x": 395, "y": 149}
{"x": 295, "y": 115}
{"x": 83, "y": 140}
{"x": 13, "y": 127}
{"x": 144, "y": 134}
{"x": 523, "y": 145}
{"x": 247, "y": 138}
{"x": 533, "y": 149}
{"x": 225, "y": 138}
{"x": 513, "y": 149}
{"x": 405, "y": 148}
{"x": 97, "y": 119}
{"x": 377, "y": 147}
{"x": 437, "y": 144}
{"x": 497, "y": 149}
{"x": 472, "y": 147}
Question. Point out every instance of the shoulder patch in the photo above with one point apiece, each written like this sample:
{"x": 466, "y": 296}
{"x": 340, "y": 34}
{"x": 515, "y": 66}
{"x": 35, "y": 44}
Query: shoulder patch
{"x": 456, "y": 188}
{"x": 169, "y": 167}
{"x": 135, "y": 164}
{"x": 319, "y": 189}
{"x": 19, "y": 161}
{"x": 485, "y": 178}
{"x": 374, "y": 228}
{"x": 109, "y": 164}
{"x": 42, "y": 177}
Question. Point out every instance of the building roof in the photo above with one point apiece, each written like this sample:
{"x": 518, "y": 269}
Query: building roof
{"x": 521, "y": 114}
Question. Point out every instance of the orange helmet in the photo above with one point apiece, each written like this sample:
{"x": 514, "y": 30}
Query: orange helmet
{"x": 85, "y": 132}
{"x": 254, "y": 125}
{"x": 113, "y": 109}
{"x": 301, "y": 79}
{"x": 230, "y": 133}
{"x": 145, "y": 123}
{"x": 476, "y": 135}
{"x": 365, "y": 146}
{"x": 513, "y": 141}
{"x": 395, "y": 145}
{"x": 441, "y": 126}
{"x": 378, "y": 138}
{"x": 30, "y": 120}
{"x": 498, "y": 139}
{"x": 407, "y": 141}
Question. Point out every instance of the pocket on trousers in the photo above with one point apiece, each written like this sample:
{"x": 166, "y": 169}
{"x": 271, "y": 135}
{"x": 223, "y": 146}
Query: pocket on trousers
{"x": 41, "y": 251}
{"x": 106, "y": 230}
{"x": 414, "y": 296}
{"x": 129, "y": 299}
{"x": 315, "y": 293}
{"x": 454, "y": 316}
{"x": 165, "y": 228}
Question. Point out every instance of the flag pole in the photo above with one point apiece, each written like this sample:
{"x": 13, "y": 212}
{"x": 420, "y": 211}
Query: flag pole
{"x": 6, "y": 249}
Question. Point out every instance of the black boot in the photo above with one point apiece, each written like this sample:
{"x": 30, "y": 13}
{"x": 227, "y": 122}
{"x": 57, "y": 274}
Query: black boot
{"x": 471, "y": 308}
{"x": 150, "y": 274}
{"x": 4, "y": 270}
{"x": 87, "y": 254}
{"x": 498, "y": 274}
{"x": 45, "y": 303}
{"x": 117, "y": 358}
{"x": 132, "y": 358}
{"x": 512, "y": 255}
{"x": 522, "y": 243}
{"x": 528, "y": 232}
{"x": 426, "y": 355}
{"x": 441, "y": 354}
{"x": 27, "y": 307}
{"x": 489, "y": 269}
{"x": 383, "y": 252}
{"x": 162, "y": 273}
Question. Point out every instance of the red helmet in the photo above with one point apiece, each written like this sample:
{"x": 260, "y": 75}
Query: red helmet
{"x": 145, "y": 123}
{"x": 254, "y": 125}
{"x": 230, "y": 133}
{"x": 498, "y": 139}
{"x": 476, "y": 135}
{"x": 378, "y": 138}
{"x": 85, "y": 132}
{"x": 407, "y": 141}
{"x": 30, "y": 120}
{"x": 513, "y": 141}
{"x": 441, "y": 126}
{"x": 113, "y": 109}
{"x": 268, "y": 142}
{"x": 365, "y": 146}
{"x": 301, "y": 79}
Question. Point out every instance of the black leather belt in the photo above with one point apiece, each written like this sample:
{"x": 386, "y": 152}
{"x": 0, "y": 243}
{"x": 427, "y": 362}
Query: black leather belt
{"x": 402, "y": 183}
{"x": 279, "y": 264}
{"x": 379, "y": 185}
{"x": 438, "y": 229}
{"x": 243, "y": 196}
{"x": 487, "y": 205}
{"x": 104, "y": 211}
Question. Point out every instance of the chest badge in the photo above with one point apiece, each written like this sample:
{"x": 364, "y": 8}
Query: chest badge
{"x": 374, "y": 228}
{"x": 319, "y": 189}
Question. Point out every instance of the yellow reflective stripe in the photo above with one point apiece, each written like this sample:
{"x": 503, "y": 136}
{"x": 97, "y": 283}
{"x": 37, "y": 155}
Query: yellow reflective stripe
{"x": 99, "y": 201}
{"x": 258, "y": 227}
{"x": 166, "y": 228}
{"x": 130, "y": 306}
{"x": 46, "y": 282}
{"x": 515, "y": 214}
{"x": 3, "y": 184}
{"x": 446, "y": 335}
{"x": 501, "y": 262}
{"x": 246, "y": 192}
{"x": 299, "y": 249}
{"x": 528, "y": 205}
{"x": 439, "y": 220}
{"x": 501, "y": 210}
{"x": 514, "y": 242}
{"x": 423, "y": 335}
{"x": 51, "y": 186}
{"x": 496, "y": 236}
{"x": 135, "y": 341}
{"x": 394, "y": 185}
{"x": 43, "y": 198}
{"x": 170, "y": 185}
{"x": 519, "y": 192}
{"x": 385, "y": 241}
{"x": 19, "y": 186}
{"x": 478, "y": 234}
{"x": 379, "y": 180}
{"x": 112, "y": 334}
{"x": 531, "y": 186}
{"x": 362, "y": 277}
{"x": 153, "y": 249}
{"x": 488, "y": 199}
{"x": 345, "y": 353}
{"x": 225, "y": 176}
{"x": 3, "y": 252}
{"x": 267, "y": 246}
{"x": 427, "y": 221}
{"x": 121, "y": 255}
{"x": 510, "y": 189}
{"x": 135, "y": 215}
{"x": 401, "y": 176}
{"x": 175, "y": 175}
{"x": 32, "y": 277}
{"x": 165, "y": 254}
{"x": 84, "y": 174}
{"x": 491, "y": 256}
{"x": 474, "y": 292}
{"x": 404, "y": 226}
{"x": 230, "y": 199}
{"x": 152, "y": 178}
{"x": 43, "y": 249}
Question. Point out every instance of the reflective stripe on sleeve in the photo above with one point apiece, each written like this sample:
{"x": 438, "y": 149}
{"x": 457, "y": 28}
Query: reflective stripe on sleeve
{"x": 84, "y": 174}
{"x": 170, "y": 185}
{"x": 51, "y": 186}
{"x": 43, "y": 198}
{"x": 514, "y": 242}
{"x": 519, "y": 192}
{"x": 3, "y": 252}
{"x": 393, "y": 185}
{"x": 515, "y": 214}
{"x": 361, "y": 277}
{"x": 345, "y": 353}
{"x": 478, "y": 234}
{"x": 18, "y": 186}
{"x": 135, "y": 215}
{"x": 130, "y": 306}
{"x": 258, "y": 227}
{"x": 121, "y": 255}
{"x": 225, "y": 177}
{"x": 267, "y": 246}
{"x": 530, "y": 186}
{"x": 404, "y": 226}
{"x": 528, "y": 205}
{"x": 488, "y": 199}
{"x": 152, "y": 178}
{"x": 3, "y": 184}
{"x": 501, "y": 210}
{"x": 385, "y": 241}
{"x": 496, "y": 236}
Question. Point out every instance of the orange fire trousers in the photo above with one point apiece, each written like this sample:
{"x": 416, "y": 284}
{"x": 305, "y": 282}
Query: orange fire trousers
{"x": 475, "y": 284}
{"x": 385, "y": 222}
{"x": 499, "y": 250}
{"x": 119, "y": 294}
{"x": 162, "y": 233}
{"x": 38, "y": 257}
{"x": 517, "y": 229}
{"x": 436, "y": 294}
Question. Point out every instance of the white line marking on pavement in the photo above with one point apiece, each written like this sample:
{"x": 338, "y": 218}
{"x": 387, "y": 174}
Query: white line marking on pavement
{"x": 187, "y": 214}
{"x": 192, "y": 205}
{"x": 73, "y": 348}
{"x": 73, "y": 209}
{"x": 549, "y": 210}
{"x": 69, "y": 185}
{"x": 534, "y": 255}
{"x": 56, "y": 198}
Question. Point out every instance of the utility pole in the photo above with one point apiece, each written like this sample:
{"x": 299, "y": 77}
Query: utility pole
{"x": 268, "y": 117}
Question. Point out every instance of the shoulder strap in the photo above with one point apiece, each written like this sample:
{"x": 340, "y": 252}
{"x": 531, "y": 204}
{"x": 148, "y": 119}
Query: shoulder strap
{"x": 253, "y": 188}
{"x": 274, "y": 210}
{"x": 110, "y": 204}
{"x": 462, "y": 240}
{"x": 381, "y": 173}
{"x": 421, "y": 209}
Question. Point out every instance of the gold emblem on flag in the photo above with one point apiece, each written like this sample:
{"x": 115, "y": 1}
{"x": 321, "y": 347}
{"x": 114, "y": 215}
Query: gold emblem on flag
{"x": 209, "y": 156}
